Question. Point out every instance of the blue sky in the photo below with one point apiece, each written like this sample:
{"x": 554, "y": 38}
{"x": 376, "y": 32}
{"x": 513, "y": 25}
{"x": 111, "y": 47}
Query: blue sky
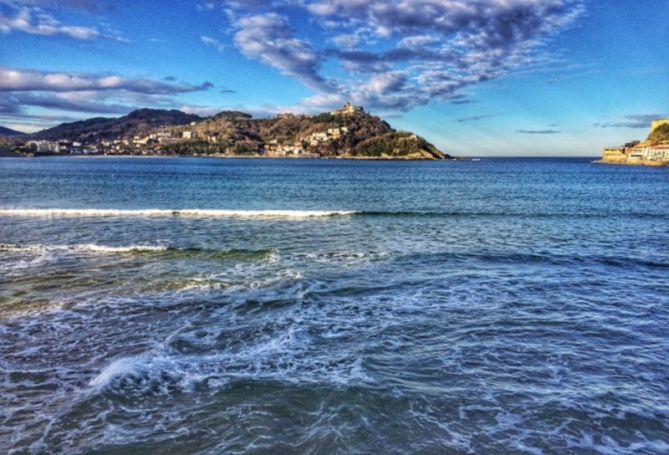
{"x": 475, "y": 77}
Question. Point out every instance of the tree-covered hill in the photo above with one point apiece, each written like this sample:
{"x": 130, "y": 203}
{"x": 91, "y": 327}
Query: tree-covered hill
{"x": 659, "y": 134}
{"x": 350, "y": 132}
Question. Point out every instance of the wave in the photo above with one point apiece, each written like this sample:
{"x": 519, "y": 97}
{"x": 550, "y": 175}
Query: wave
{"x": 191, "y": 360}
{"x": 90, "y": 248}
{"x": 297, "y": 214}
{"x": 517, "y": 258}
{"x": 157, "y": 250}
{"x": 191, "y": 213}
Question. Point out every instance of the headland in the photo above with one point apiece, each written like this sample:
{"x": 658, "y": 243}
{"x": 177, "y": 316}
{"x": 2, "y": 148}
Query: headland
{"x": 654, "y": 151}
{"x": 349, "y": 132}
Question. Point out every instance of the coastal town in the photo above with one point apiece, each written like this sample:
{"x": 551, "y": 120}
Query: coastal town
{"x": 345, "y": 132}
{"x": 654, "y": 151}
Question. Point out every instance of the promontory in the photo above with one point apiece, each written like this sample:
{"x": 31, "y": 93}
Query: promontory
{"x": 654, "y": 151}
{"x": 349, "y": 132}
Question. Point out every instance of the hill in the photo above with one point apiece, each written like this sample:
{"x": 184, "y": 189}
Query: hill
{"x": 349, "y": 132}
{"x": 658, "y": 135}
{"x": 8, "y": 132}
{"x": 138, "y": 122}
{"x": 353, "y": 134}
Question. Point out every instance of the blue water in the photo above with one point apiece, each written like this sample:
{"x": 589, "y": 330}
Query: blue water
{"x": 289, "y": 306}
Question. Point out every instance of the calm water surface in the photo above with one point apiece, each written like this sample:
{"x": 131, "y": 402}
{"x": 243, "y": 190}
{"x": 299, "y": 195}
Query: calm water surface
{"x": 499, "y": 306}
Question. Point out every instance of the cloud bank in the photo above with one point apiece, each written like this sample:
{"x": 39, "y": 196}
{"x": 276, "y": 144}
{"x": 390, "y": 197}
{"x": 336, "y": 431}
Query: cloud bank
{"x": 85, "y": 92}
{"x": 398, "y": 54}
{"x": 26, "y": 80}
{"x": 387, "y": 55}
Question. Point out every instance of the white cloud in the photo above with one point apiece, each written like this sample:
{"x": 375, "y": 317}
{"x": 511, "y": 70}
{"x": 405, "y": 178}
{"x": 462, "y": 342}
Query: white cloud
{"x": 213, "y": 42}
{"x": 439, "y": 47}
{"x": 35, "y": 22}
{"x": 21, "y": 90}
{"x": 269, "y": 39}
{"x": 17, "y": 80}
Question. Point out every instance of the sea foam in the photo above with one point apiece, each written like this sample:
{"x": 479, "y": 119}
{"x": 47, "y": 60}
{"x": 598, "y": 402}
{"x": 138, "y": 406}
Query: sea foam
{"x": 191, "y": 213}
{"x": 83, "y": 248}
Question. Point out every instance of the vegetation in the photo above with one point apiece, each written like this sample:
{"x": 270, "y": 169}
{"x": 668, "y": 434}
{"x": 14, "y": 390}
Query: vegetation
{"x": 323, "y": 118}
{"x": 395, "y": 145}
{"x": 137, "y": 122}
{"x": 357, "y": 134}
{"x": 659, "y": 134}
{"x": 289, "y": 129}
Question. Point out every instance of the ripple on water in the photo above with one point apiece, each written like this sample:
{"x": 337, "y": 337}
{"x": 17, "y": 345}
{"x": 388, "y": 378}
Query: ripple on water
{"x": 523, "y": 310}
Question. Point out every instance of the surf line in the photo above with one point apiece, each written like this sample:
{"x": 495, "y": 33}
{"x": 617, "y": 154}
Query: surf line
{"x": 192, "y": 213}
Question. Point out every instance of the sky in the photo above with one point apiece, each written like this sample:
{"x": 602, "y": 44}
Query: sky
{"x": 474, "y": 77}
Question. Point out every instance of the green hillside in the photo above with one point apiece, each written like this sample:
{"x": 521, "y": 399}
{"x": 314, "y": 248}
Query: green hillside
{"x": 659, "y": 134}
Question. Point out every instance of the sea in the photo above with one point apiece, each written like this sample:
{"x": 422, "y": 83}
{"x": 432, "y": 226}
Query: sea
{"x": 224, "y": 306}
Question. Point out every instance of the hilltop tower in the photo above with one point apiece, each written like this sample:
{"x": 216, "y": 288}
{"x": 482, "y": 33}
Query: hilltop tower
{"x": 348, "y": 109}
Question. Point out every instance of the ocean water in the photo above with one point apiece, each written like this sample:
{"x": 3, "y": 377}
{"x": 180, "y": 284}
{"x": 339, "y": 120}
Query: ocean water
{"x": 284, "y": 306}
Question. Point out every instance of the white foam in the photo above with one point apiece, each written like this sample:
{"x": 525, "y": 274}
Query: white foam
{"x": 194, "y": 355}
{"x": 191, "y": 213}
{"x": 83, "y": 248}
{"x": 120, "y": 367}
{"x": 117, "y": 249}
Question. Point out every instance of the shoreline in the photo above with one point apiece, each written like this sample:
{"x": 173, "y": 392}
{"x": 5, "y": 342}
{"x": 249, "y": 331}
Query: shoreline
{"x": 247, "y": 157}
{"x": 592, "y": 159}
{"x": 639, "y": 163}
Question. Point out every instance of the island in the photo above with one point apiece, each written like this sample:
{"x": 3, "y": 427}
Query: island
{"x": 349, "y": 132}
{"x": 654, "y": 151}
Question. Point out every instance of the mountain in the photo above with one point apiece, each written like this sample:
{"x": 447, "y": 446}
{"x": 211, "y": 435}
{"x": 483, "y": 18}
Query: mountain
{"x": 138, "y": 122}
{"x": 349, "y": 132}
{"x": 8, "y": 132}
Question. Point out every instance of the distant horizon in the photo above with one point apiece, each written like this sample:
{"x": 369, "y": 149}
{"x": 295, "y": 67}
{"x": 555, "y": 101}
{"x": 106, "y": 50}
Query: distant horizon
{"x": 452, "y": 152}
{"x": 483, "y": 78}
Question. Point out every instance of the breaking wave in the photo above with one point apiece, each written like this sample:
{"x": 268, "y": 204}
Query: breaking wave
{"x": 162, "y": 251}
{"x": 191, "y": 213}
{"x": 90, "y": 248}
{"x": 295, "y": 214}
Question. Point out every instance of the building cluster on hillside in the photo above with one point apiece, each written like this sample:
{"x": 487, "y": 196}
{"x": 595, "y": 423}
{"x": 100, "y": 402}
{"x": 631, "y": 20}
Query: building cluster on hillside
{"x": 299, "y": 147}
{"x": 195, "y": 139}
{"x": 332, "y": 134}
{"x": 157, "y": 142}
{"x": 273, "y": 148}
{"x": 143, "y": 145}
{"x": 640, "y": 152}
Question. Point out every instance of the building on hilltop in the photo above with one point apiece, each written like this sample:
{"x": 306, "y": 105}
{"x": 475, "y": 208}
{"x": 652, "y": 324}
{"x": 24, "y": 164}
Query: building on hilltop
{"x": 348, "y": 109}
